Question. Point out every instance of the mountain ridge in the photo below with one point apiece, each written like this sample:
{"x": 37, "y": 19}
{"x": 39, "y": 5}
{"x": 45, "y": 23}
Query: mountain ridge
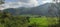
{"x": 43, "y": 10}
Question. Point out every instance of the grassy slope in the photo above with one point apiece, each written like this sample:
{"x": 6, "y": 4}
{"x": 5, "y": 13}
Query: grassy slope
{"x": 43, "y": 21}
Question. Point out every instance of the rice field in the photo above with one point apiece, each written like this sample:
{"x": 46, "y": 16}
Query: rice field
{"x": 44, "y": 21}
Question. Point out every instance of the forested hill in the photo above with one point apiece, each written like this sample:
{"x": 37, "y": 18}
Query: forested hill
{"x": 48, "y": 9}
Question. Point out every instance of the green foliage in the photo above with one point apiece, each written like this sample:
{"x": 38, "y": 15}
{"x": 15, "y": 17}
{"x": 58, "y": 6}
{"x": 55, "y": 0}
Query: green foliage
{"x": 24, "y": 21}
{"x": 43, "y": 21}
{"x": 7, "y": 20}
{"x": 2, "y": 1}
{"x": 34, "y": 25}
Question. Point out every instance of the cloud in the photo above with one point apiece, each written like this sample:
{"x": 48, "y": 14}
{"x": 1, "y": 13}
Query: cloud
{"x": 44, "y": 1}
{"x": 51, "y": 1}
{"x": 26, "y": 1}
{"x": 47, "y": 1}
{"x": 19, "y": 3}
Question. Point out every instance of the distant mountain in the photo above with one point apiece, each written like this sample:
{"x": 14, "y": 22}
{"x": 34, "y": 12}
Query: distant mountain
{"x": 48, "y": 9}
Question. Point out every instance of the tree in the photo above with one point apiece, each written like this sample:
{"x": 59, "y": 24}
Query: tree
{"x": 2, "y": 1}
{"x": 57, "y": 6}
{"x": 56, "y": 1}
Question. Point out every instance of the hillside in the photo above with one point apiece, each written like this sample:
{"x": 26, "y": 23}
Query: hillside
{"x": 48, "y": 9}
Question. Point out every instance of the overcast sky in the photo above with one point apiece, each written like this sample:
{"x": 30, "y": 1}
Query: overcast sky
{"x": 22, "y": 3}
{"x": 39, "y": 1}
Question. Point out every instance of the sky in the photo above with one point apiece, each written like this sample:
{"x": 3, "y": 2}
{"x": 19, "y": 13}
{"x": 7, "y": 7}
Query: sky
{"x": 22, "y": 3}
{"x": 39, "y": 1}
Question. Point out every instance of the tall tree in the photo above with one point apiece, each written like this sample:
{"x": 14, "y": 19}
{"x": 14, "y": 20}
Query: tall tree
{"x": 57, "y": 6}
{"x": 2, "y": 1}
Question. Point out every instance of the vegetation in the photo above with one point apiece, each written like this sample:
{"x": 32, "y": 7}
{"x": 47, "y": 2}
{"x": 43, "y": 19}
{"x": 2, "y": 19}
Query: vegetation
{"x": 2, "y": 1}
{"x": 8, "y": 20}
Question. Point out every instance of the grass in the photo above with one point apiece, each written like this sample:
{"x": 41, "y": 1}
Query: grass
{"x": 34, "y": 21}
{"x": 44, "y": 21}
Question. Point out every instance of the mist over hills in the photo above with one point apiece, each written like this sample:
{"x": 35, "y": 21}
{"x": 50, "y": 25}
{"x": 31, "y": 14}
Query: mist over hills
{"x": 48, "y": 9}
